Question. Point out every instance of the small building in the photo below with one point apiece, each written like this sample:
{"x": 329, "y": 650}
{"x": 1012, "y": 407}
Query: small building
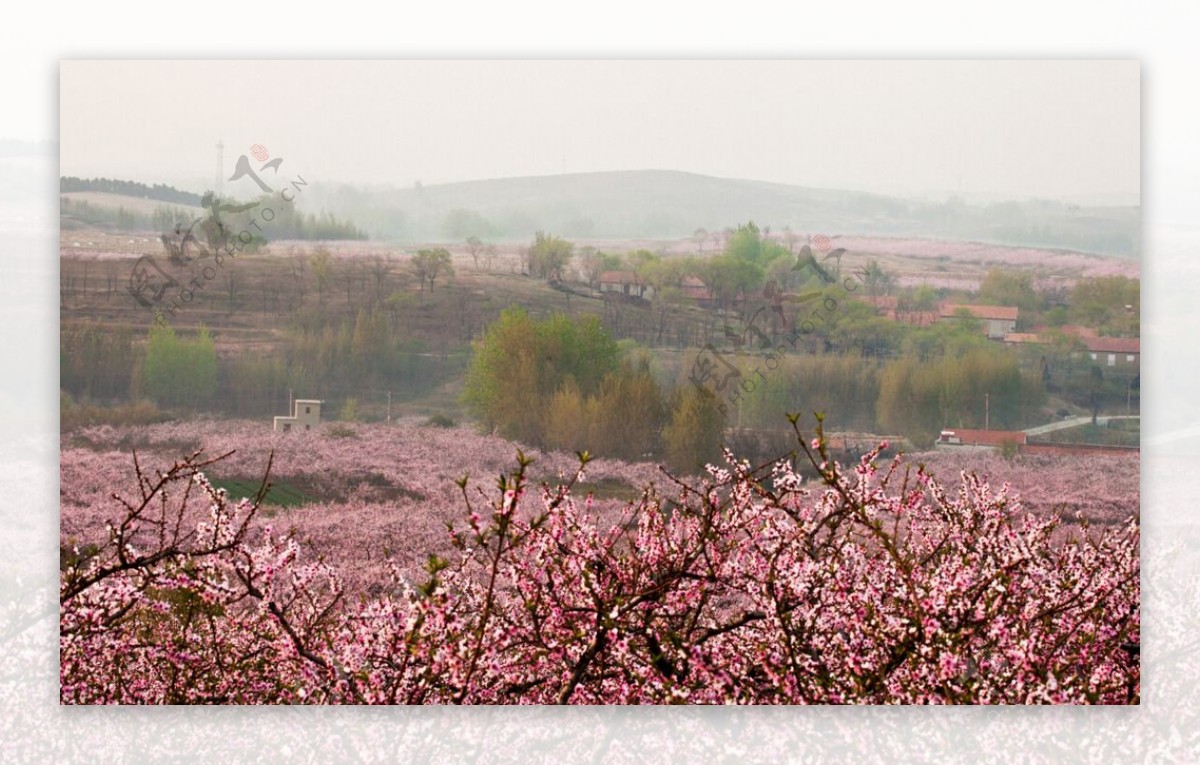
{"x": 986, "y": 439}
{"x": 694, "y": 288}
{"x": 306, "y": 414}
{"x": 625, "y": 283}
{"x": 1119, "y": 352}
{"x": 998, "y": 320}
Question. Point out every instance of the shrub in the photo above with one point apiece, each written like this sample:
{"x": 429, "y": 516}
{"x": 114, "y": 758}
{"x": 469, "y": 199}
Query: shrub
{"x": 338, "y": 430}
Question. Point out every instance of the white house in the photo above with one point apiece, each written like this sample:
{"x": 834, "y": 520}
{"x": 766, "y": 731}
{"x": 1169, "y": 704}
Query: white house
{"x": 625, "y": 283}
{"x": 306, "y": 414}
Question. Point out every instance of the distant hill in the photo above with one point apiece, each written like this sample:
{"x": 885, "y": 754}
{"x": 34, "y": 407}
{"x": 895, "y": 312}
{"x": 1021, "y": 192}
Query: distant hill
{"x": 158, "y": 191}
{"x": 672, "y": 204}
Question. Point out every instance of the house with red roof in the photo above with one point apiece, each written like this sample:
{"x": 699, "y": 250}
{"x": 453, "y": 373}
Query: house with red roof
{"x": 997, "y": 320}
{"x": 624, "y": 283}
{"x": 1117, "y": 352}
{"x": 990, "y": 439}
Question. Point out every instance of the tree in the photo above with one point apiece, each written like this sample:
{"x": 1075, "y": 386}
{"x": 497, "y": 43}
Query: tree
{"x": 730, "y": 277}
{"x": 1109, "y": 303}
{"x": 548, "y": 256}
{"x": 475, "y": 248}
{"x": 693, "y": 436}
{"x": 521, "y": 363}
{"x": 1015, "y": 288}
{"x": 869, "y": 583}
{"x": 876, "y": 279}
{"x": 429, "y": 264}
{"x": 322, "y": 270}
{"x": 593, "y": 263}
{"x": 179, "y": 372}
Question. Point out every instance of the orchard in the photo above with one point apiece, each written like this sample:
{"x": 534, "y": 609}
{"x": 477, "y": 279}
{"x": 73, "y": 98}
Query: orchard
{"x": 869, "y": 583}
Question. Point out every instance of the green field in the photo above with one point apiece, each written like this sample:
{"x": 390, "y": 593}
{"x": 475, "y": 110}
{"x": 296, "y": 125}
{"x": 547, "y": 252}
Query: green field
{"x": 280, "y": 494}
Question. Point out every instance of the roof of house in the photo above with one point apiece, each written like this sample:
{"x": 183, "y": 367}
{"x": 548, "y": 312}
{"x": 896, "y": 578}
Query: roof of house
{"x": 986, "y": 437}
{"x": 1113, "y": 344}
{"x": 990, "y": 312}
{"x": 618, "y": 277}
{"x": 695, "y": 288}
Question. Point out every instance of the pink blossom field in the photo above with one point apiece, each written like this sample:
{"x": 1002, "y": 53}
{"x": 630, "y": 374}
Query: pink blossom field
{"x": 390, "y": 489}
{"x": 387, "y": 490}
{"x": 1083, "y": 264}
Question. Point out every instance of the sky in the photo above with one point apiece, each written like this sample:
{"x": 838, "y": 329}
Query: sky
{"x": 1008, "y": 128}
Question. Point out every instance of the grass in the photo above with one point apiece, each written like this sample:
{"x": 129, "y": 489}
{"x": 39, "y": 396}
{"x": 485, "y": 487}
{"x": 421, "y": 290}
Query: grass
{"x": 1116, "y": 433}
{"x": 280, "y": 494}
{"x": 606, "y": 489}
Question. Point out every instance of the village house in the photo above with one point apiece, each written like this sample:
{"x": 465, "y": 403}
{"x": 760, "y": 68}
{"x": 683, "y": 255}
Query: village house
{"x": 1119, "y": 352}
{"x": 624, "y": 283}
{"x": 306, "y": 414}
{"x": 998, "y": 320}
{"x": 696, "y": 290}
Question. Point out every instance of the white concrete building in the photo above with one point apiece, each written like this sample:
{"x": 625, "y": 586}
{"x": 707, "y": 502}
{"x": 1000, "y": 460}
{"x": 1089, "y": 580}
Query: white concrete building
{"x": 306, "y": 414}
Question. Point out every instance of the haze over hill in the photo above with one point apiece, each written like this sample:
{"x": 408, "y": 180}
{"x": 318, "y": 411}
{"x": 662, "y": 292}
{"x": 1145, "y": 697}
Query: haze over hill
{"x": 669, "y": 204}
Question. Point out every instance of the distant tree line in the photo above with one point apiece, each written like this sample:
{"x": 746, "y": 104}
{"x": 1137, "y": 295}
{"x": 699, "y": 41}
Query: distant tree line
{"x": 158, "y": 191}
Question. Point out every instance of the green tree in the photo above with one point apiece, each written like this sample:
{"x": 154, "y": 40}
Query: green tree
{"x": 693, "y": 437}
{"x": 1015, "y": 288}
{"x": 877, "y": 280}
{"x": 475, "y": 247}
{"x": 321, "y": 262}
{"x": 429, "y": 264}
{"x": 521, "y": 363}
{"x": 627, "y": 414}
{"x": 548, "y": 256}
{"x": 1109, "y": 303}
{"x": 178, "y": 372}
{"x": 593, "y": 263}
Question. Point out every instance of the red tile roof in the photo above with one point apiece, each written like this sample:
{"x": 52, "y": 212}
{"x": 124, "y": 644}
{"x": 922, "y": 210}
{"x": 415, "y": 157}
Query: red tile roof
{"x": 1113, "y": 344}
{"x": 984, "y": 437}
{"x": 618, "y": 277}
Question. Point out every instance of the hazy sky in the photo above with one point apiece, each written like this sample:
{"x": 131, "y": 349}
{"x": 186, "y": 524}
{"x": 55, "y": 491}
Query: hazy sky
{"x": 1065, "y": 128}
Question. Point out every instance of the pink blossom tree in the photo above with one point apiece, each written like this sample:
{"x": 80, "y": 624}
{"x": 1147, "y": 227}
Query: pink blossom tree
{"x": 873, "y": 584}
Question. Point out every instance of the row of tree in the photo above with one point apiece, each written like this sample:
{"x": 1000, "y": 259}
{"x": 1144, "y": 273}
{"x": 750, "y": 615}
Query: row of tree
{"x": 560, "y": 383}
